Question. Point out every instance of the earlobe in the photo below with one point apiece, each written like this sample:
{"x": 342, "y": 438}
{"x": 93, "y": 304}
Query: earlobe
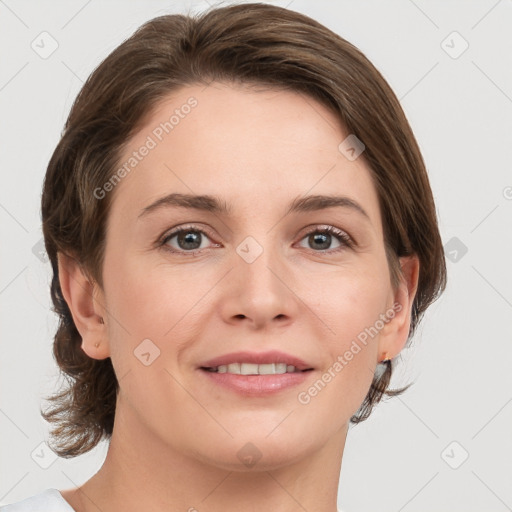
{"x": 394, "y": 336}
{"x": 83, "y": 299}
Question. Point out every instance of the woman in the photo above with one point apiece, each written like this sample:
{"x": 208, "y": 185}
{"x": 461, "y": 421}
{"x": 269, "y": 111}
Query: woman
{"x": 243, "y": 238}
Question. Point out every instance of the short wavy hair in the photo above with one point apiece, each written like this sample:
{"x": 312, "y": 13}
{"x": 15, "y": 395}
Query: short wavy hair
{"x": 256, "y": 44}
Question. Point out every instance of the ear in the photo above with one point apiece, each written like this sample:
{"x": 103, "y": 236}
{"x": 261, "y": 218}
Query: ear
{"x": 85, "y": 301}
{"x": 393, "y": 336}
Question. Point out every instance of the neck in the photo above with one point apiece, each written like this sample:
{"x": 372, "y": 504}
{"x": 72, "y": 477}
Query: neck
{"x": 136, "y": 476}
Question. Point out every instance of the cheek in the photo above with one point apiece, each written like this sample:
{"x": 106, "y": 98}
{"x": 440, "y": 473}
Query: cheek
{"x": 150, "y": 297}
{"x": 149, "y": 313}
{"x": 154, "y": 302}
{"x": 348, "y": 300}
{"x": 352, "y": 314}
{"x": 351, "y": 306}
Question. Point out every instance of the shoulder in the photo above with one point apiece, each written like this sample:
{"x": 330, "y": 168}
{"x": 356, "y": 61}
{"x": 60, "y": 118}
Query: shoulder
{"x": 49, "y": 500}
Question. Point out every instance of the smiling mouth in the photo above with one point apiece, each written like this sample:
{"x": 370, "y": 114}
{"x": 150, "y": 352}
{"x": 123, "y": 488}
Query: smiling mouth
{"x": 255, "y": 369}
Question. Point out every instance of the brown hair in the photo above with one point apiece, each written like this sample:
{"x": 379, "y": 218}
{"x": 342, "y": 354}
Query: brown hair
{"x": 251, "y": 44}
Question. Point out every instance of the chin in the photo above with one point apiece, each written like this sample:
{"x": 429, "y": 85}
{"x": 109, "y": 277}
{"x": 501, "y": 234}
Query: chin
{"x": 254, "y": 453}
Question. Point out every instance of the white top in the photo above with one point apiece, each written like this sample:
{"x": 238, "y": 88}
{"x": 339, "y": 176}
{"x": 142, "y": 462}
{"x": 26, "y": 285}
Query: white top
{"x": 50, "y": 500}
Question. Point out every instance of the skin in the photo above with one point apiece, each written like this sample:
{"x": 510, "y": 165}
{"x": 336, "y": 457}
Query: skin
{"x": 176, "y": 435}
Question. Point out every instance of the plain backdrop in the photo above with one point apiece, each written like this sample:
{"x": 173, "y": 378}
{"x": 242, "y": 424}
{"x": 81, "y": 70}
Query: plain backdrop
{"x": 446, "y": 444}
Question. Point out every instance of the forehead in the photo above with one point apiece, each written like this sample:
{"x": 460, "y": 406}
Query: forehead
{"x": 254, "y": 148}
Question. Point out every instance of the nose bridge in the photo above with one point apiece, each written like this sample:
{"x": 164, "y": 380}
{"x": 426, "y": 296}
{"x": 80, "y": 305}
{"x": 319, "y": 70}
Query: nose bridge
{"x": 262, "y": 294}
{"x": 259, "y": 261}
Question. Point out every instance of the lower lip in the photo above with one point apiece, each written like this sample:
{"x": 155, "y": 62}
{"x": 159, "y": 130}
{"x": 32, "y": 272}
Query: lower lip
{"x": 257, "y": 385}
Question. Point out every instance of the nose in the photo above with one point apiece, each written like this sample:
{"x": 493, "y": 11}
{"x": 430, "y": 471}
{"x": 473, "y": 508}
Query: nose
{"x": 260, "y": 289}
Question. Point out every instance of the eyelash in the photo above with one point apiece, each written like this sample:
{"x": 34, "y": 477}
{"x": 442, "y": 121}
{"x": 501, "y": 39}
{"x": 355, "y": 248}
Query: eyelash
{"x": 345, "y": 240}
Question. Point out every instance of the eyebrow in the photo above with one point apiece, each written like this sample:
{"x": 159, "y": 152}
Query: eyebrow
{"x": 214, "y": 204}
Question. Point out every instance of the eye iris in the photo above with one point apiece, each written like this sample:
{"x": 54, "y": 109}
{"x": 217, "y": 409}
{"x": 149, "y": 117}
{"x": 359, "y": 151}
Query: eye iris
{"x": 323, "y": 238}
{"x": 189, "y": 237}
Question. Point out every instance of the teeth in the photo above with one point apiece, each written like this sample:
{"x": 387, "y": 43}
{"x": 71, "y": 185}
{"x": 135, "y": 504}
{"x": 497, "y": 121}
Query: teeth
{"x": 233, "y": 368}
{"x": 255, "y": 369}
{"x": 248, "y": 369}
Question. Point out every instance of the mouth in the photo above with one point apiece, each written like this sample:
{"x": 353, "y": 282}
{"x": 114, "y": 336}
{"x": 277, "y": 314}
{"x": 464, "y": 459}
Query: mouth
{"x": 256, "y": 374}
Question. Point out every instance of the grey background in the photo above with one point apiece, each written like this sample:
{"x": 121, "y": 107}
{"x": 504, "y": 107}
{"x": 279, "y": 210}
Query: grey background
{"x": 461, "y": 112}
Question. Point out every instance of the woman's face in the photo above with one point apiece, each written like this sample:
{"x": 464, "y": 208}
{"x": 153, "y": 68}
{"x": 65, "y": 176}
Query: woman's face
{"x": 255, "y": 278}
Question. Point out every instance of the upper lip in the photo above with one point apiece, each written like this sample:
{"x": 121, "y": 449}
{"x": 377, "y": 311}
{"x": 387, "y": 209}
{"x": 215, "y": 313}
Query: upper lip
{"x": 271, "y": 356}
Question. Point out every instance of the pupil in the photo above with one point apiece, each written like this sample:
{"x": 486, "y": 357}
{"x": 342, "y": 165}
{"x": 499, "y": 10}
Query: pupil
{"x": 184, "y": 239}
{"x": 321, "y": 237}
